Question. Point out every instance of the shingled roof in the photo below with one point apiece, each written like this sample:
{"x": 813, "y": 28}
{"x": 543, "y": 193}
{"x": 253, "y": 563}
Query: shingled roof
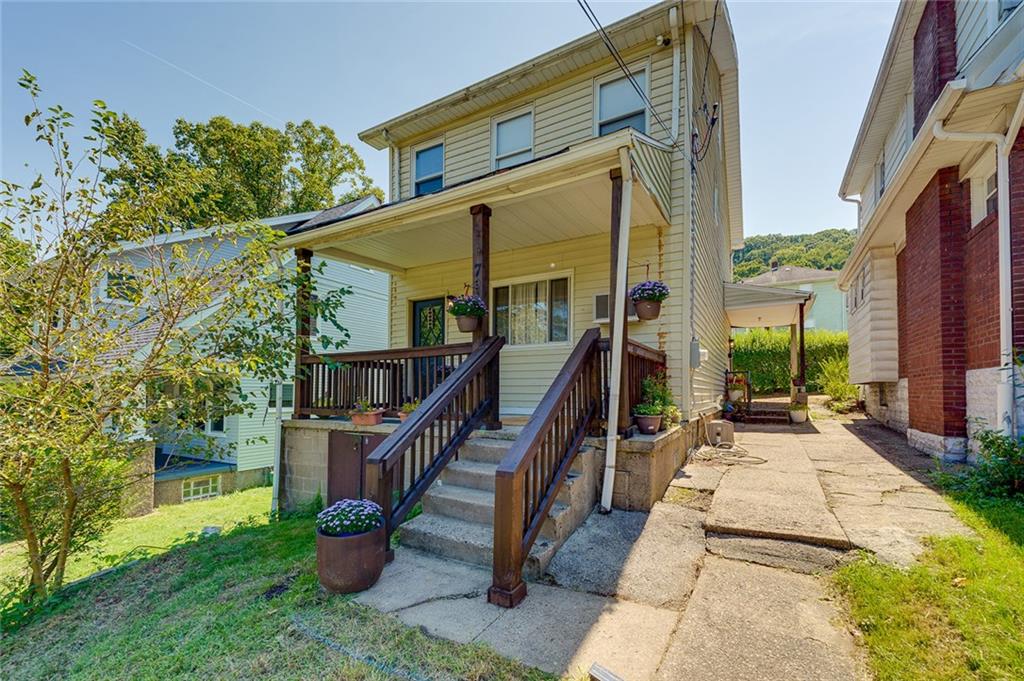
{"x": 791, "y": 274}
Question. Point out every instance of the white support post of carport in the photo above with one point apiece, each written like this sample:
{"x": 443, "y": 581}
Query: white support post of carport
{"x": 617, "y": 310}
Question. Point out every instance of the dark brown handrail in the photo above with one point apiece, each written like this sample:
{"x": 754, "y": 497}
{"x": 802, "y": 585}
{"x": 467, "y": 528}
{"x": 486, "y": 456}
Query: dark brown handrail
{"x": 410, "y": 459}
{"x": 332, "y": 383}
{"x": 531, "y": 474}
{"x": 642, "y": 361}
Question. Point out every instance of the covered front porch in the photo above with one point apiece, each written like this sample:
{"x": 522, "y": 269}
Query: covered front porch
{"x": 551, "y": 246}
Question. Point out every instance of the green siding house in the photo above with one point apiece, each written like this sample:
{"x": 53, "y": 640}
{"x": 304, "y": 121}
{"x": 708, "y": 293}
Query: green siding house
{"x": 829, "y": 309}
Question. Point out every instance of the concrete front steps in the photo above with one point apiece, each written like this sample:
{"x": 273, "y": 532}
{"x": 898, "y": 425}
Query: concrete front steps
{"x": 458, "y": 510}
{"x": 768, "y": 413}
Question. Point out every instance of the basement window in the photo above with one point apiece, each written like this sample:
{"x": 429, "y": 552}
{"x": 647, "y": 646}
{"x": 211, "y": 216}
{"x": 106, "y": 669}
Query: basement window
{"x": 195, "y": 489}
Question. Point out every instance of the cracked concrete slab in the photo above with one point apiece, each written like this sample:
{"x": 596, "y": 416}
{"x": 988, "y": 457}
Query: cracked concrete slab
{"x": 414, "y": 577}
{"x": 700, "y": 476}
{"x": 752, "y": 622}
{"x": 797, "y": 556}
{"x": 648, "y": 558}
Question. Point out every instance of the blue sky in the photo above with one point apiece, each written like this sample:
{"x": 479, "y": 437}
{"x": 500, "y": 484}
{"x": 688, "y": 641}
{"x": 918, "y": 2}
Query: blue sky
{"x": 806, "y": 70}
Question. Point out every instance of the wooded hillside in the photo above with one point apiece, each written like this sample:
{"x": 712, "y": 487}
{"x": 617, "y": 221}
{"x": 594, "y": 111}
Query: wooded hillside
{"x": 827, "y": 248}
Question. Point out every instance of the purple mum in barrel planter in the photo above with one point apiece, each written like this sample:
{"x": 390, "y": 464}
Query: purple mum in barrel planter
{"x": 649, "y": 290}
{"x": 348, "y": 517}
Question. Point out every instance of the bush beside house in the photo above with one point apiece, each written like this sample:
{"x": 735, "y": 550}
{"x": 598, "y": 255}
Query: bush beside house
{"x": 765, "y": 354}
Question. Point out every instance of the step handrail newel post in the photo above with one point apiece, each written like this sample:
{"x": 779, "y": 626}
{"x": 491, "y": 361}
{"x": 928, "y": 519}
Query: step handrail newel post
{"x": 508, "y": 588}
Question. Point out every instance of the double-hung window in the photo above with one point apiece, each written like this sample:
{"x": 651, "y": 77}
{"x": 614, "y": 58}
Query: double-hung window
{"x": 513, "y": 139}
{"x": 287, "y": 395}
{"x": 429, "y": 170}
{"x": 620, "y": 106}
{"x": 984, "y": 188}
{"x": 533, "y": 312}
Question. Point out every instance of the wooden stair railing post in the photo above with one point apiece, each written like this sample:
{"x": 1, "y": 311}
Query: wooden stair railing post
{"x": 380, "y": 489}
{"x": 303, "y": 295}
{"x": 508, "y": 588}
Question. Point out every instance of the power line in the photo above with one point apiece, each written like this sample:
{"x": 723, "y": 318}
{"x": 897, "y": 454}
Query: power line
{"x": 596, "y": 23}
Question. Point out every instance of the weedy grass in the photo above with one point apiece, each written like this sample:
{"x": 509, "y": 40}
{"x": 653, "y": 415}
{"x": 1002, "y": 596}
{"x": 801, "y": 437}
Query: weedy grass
{"x": 153, "y": 533}
{"x": 956, "y": 614}
{"x": 239, "y": 606}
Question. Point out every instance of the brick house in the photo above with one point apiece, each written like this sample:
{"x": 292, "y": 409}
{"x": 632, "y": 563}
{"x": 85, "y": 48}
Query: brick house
{"x": 935, "y": 282}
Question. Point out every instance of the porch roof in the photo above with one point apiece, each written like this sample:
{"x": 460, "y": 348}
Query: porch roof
{"x": 558, "y": 197}
{"x": 749, "y": 306}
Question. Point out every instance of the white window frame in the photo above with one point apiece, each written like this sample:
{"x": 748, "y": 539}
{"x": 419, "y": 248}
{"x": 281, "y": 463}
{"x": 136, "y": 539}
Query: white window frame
{"x": 215, "y": 488}
{"x": 413, "y": 179}
{"x": 272, "y": 395}
{"x": 508, "y": 116}
{"x": 617, "y": 74}
{"x": 217, "y": 433}
{"x": 983, "y": 168}
{"x": 527, "y": 279}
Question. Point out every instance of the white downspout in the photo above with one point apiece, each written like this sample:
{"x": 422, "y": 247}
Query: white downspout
{"x": 278, "y": 417}
{"x": 860, "y": 206}
{"x": 618, "y": 330}
{"x": 673, "y": 20}
{"x": 1005, "y": 415}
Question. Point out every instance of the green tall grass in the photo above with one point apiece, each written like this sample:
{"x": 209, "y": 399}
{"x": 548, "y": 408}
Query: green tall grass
{"x": 765, "y": 354}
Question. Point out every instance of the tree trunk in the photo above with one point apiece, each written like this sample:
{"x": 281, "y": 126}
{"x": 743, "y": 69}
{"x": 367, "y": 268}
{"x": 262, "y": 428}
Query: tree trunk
{"x": 70, "y": 504}
{"x": 35, "y": 560}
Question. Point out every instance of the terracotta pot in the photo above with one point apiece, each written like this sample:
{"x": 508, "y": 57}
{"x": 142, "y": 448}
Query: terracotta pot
{"x": 648, "y": 425}
{"x": 369, "y": 418}
{"x": 646, "y": 310}
{"x": 736, "y": 395}
{"x": 402, "y": 416}
{"x": 798, "y": 416}
{"x": 349, "y": 564}
{"x": 466, "y": 323}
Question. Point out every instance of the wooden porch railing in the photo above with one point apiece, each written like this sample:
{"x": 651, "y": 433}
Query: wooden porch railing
{"x": 529, "y": 477}
{"x": 408, "y": 462}
{"x": 331, "y": 384}
{"x": 641, "y": 361}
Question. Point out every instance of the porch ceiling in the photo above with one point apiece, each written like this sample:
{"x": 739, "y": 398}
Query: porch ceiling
{"x": 562, "y": 197}
{"x": 754, "y": 307}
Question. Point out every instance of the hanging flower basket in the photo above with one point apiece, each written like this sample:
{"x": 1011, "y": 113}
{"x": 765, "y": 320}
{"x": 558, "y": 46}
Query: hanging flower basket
{"x": 350, "y": 545}
{"x": 468, "y": 310}
{"x": 647, "y": 297}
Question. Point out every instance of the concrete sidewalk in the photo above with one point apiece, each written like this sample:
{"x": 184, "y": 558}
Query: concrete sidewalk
{"x": 723, "y": 579}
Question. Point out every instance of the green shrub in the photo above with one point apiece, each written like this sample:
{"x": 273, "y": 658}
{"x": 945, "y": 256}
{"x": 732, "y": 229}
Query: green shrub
{"x": 999, "y": 473}
{"x": 765, "y": 354}
{"x": 835, "y": 380}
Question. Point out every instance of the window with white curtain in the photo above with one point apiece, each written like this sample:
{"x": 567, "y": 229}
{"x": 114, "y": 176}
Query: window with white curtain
{"x": 533, "y": 312}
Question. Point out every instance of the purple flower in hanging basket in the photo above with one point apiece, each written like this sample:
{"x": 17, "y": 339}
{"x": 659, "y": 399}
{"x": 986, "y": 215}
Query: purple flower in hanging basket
{"x": 649, "y": 290}
{"x": 467, "y": 306}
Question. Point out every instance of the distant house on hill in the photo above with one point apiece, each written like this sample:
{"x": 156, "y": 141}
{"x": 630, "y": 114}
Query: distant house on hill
{"x": 829, "y": 311}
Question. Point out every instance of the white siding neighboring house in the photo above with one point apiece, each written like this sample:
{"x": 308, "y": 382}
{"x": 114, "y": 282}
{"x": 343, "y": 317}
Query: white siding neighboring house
{"x": 251, "y": 436}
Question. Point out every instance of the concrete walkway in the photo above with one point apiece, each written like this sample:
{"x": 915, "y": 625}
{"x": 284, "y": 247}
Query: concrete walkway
{"x": 721, "y": 580}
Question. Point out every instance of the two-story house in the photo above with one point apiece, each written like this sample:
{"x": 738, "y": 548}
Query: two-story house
{"x": 548, "y": 190}
{"x": 936, "y": 280}
{"x": 248, "y": 439}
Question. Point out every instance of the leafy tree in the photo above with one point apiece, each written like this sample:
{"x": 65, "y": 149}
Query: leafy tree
{"x": 89, "y": 376}
{"x": 252, "y": 171}
{"x": 828, "y": 248}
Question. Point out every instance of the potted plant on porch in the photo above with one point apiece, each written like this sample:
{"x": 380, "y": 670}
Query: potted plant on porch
{"x": 647, "y": 297}
{"x": 350, "y": 545}
{"x": 468, "y": 311}
{"x": 737, "y": 389}
{"x": 798, "y": 412}
{"x": 648, "y": 417}
{"x": 407, "y": 408}
{"x": 365, "y": 414}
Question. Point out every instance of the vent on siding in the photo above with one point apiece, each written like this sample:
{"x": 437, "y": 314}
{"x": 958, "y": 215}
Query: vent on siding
{"x": 601, "y": 309}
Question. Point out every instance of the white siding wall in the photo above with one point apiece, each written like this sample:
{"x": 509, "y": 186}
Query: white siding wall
{"x": 873, "y": 323}
{"x": 972, "y": 26}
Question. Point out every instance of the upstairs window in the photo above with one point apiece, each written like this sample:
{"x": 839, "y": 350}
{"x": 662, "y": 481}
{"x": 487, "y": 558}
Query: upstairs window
{"x": 984, "y": 188}
{"x": 991, "y": 194}
{"x": 620, "y": 106}
{"x": 429, "y": 170}
{"x": 513, "y": 140}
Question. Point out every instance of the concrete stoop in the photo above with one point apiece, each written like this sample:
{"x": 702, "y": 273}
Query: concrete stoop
{"x": 458, "y": 510}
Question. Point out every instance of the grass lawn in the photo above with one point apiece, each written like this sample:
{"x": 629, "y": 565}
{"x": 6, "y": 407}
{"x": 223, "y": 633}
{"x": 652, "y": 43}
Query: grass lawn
{"x": 240, "y": 606}
{"x": 958, "y": 613}
{"x": 153, "y": 533}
